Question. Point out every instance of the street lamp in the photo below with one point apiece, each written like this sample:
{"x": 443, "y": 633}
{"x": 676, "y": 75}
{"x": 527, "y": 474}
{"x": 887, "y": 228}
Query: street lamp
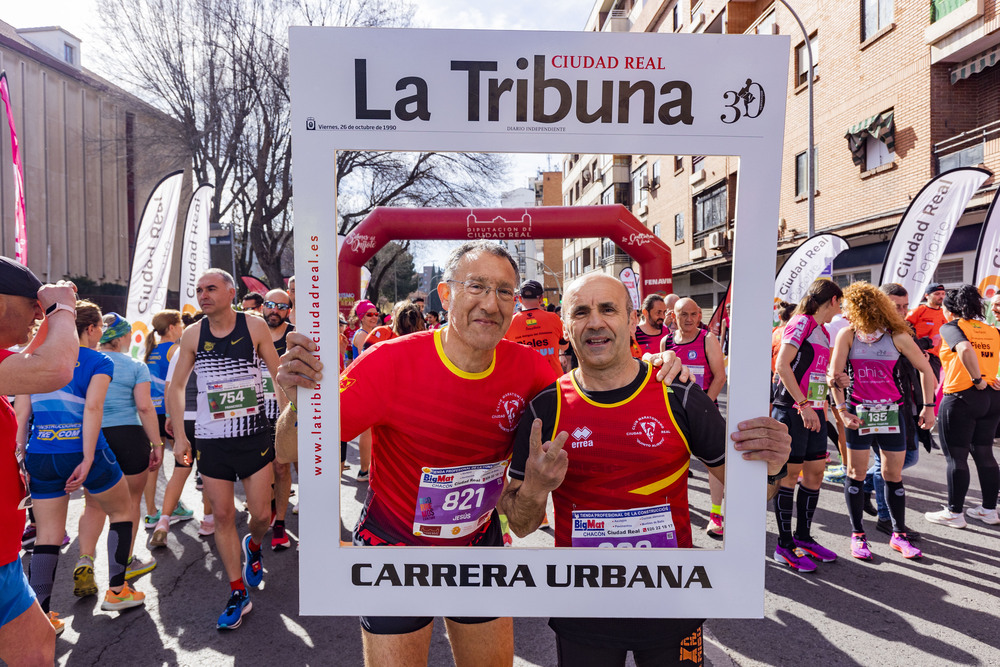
{"x": 810, "y": 154}
{"x": 546, "y": 269}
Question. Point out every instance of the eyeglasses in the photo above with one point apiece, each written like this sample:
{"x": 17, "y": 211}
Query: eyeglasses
{"x": 277, "y": 306}
{"x": 474, "y": 288}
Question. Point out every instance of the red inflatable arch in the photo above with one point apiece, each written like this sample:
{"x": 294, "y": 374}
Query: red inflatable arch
{"x": 386, "y": 224}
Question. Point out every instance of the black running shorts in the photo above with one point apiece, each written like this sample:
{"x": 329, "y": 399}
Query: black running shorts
{"x": 234, "y": 458}
{"x": 131, "y": 447}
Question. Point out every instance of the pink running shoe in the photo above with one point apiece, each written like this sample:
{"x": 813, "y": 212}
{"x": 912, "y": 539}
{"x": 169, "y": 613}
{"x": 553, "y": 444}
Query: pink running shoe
{"x": 794, "y": 558}
{"x": 815, "y": 549}
{"x": 903, "y": 546}
{"x": 859, "y": 547}
{"x": 715, "y": 526}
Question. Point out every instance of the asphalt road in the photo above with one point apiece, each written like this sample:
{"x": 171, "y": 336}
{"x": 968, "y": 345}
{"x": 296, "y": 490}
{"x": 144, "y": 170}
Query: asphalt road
{"x": 944, "y": 609}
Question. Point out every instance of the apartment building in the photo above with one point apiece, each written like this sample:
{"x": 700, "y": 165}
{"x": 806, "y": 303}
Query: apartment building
{"x": 91, "y": 155}
{"x": 903, "y": 90}
{"x": 538, "y": 259}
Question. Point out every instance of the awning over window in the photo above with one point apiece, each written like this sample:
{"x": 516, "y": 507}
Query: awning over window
{"x": 975, "y": 65}
{"x": 880, "y": 126}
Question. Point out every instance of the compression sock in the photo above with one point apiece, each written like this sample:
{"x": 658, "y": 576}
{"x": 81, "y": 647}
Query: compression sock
{"x": 42, "y": 572}
{"x": 784, "y": 500}
{"x": 855, "y": 502}
{"x": 806, "y": 503}
{"x": 119, "y": 538}
{"x": 237, "y": 585}
{"x": 895, "y": 496}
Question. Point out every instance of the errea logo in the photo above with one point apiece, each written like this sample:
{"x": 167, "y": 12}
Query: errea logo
{"x": 581, "y": 435}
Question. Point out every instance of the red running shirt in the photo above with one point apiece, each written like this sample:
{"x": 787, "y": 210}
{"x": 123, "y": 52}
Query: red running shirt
{"x": 427, "y": 413}
{"x": 634, "y": 456}
{"x": 11, "y": 488}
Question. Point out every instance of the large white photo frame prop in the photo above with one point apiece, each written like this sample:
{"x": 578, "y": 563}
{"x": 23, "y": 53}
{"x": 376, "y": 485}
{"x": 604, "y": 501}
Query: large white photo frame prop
{"x": 414, "y": 90}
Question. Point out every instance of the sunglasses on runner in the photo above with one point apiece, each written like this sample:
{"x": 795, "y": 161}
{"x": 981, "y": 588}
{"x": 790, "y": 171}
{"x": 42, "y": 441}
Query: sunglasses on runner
{"x": 277, "y": 306}
{"x": 371, "y": 314}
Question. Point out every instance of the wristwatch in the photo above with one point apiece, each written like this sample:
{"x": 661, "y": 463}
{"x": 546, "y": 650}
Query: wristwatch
{"x": 781, "y": 474}
{"x": 56, "y": 307}
{"x": 978, "y": 381}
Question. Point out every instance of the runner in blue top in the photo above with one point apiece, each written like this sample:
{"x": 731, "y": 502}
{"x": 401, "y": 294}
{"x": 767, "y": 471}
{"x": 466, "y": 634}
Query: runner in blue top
{"x": 799, "y": 401}
{"x": 66, "y": 451}
{"x": 130, "y": 428}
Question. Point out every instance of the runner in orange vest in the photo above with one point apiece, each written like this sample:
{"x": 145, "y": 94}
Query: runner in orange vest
{"x": 536, "y": 327}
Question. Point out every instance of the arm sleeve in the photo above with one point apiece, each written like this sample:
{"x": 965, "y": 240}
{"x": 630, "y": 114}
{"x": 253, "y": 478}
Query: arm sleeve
{"x": 700, "y": 421}
{"x": 541, "y": 407}
{"x": 952, "y": 334}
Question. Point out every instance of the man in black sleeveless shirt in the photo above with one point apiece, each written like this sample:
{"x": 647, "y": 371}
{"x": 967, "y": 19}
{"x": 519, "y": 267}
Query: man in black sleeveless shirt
{"x": 233, "y": 437}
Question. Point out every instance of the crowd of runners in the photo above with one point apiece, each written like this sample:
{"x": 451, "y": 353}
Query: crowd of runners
{"x": 852, "y": 369}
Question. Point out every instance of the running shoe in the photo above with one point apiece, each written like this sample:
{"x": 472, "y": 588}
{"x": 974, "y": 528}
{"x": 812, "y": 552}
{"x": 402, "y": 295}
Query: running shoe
{"x": 28, "y": 538}
{"x": 983, "y": 514}
{"x": 794, "y": 558}
{"x": 57, "y": 625}
{"x": 159, "y": 538}
{"x": 859, "y": 547}
{"x": 946, "y": 517}
{"x": 885, "y": 526}
{"x": 834, "y": 474}
{"x": 362, "y": 476}
{"x": 253, "y": 564}
{"x": 815, "y": 549}
{"x": 207, "y": 526}
{"x": 295, "y": 509}
{"x": 279, "y": 539}
{"x": 83, "y": 578}
{"x": 899, "y": 543}
{"x": 127, "y": 598}
{"x": 150, "y": 520}
{"x": 545, "y": 520}
{"x": 182, "y": 513}
{"x": 138, "y": 567}
{"x": 239, "y": 604}
{"x": 715, "y": 527}
{"x": 198, "y": 484}
{"x": 66, "y": 539}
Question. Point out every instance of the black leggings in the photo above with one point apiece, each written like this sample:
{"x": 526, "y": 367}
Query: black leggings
{"x": 968, "y": 421}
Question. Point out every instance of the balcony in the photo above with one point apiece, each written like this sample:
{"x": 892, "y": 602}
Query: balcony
{"x": 959, "y": 30}
{"x": 978, "y": 146}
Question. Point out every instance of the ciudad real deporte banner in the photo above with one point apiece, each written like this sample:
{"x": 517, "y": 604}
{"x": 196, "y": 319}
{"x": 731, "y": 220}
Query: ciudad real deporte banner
{"x": 537, "y": 92}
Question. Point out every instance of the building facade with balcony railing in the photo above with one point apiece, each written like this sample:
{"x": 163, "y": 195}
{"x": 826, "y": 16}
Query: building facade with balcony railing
{"x": 903, "y": 89}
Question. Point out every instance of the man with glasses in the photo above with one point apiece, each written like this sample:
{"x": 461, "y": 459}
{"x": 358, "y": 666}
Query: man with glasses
{"x": 45, "y": 365}
{"x": 487, "y": 382}
{"x": 277, "y": 306}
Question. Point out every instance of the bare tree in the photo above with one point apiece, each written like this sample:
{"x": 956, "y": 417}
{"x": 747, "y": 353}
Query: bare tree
{"x": 221, "y": 69}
